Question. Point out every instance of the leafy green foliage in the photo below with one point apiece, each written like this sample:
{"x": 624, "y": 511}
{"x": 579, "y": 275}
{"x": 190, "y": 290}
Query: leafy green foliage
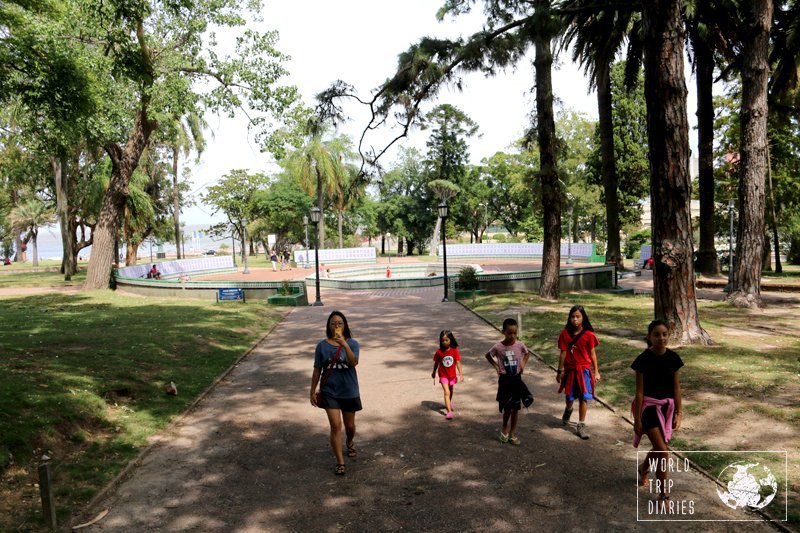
{"x": 629, "y": 116}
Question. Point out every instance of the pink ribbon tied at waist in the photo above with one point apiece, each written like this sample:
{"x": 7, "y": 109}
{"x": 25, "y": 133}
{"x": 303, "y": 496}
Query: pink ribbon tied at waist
{"x": 666, "y": 422}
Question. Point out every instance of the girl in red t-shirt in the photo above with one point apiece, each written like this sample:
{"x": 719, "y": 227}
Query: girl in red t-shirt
{"x": 447, "y": 360}
{"x": 577, "y": 365}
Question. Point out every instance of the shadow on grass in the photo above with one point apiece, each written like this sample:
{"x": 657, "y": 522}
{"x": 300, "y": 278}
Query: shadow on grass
{"x": 82, "y": 379}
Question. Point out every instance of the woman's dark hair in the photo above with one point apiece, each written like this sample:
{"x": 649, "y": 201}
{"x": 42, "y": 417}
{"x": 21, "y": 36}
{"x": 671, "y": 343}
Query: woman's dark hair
{"x": 653, "y": 325}
{"x": 508, "y": 322}
{"x": 453, "y": 342}
{"x": 329, "y": 329}
{"x": 585, "y": 324}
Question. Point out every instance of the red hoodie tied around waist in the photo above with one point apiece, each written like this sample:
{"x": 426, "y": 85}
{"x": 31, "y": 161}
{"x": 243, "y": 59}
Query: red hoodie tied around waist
{"x": 666, "y": 422}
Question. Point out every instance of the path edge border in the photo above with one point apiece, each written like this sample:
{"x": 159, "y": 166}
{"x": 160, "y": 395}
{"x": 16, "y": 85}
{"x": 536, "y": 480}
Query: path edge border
{"x": 159, "y": 437}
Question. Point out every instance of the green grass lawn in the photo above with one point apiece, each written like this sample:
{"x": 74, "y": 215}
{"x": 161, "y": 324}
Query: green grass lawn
{"x": 41, "y": 279}
{"x": 82, "y": 379}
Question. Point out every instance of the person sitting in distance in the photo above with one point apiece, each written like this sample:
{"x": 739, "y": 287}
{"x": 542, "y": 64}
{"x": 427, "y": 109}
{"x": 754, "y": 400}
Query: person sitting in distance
{"x": 154, "y": 273}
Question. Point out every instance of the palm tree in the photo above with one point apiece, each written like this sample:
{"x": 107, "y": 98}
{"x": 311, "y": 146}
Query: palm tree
{"x": 186, "y": 134}
{"x": 348, "y": 193}
{"x": 320, "y": 169}
{"x": 139, "y": 215}
{"x": 29, "y": 216}
{"x": 596, "y": 37}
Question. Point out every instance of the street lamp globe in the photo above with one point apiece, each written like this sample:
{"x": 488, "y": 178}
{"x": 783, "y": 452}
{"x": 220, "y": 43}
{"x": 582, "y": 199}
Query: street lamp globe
{"x": 316, "y": 215}
{"x": 443, "y": 210}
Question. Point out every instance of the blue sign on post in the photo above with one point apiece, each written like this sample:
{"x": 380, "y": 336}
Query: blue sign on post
{"x": 230, "y": 294}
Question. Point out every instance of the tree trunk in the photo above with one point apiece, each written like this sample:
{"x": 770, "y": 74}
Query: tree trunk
{"x": 123, "y": 163}
{"x": 62, "y": 210}
{"x": 707, "y": 261}
{"x": 132, "y": 253}
{"x": 435, "y": 237}
{"x": 34, "y": 235}
{"x": 608, "y": 166}
{"x": 19, "y": 255}
{"x": 670, "y": 186}
{"x": 766, "y": 253}
{"x": 176, "y": 202}
{"x": 773, "y": 215}
{"x": 341, "y": 240}
{"x": 794, "y": 250}
{"x": 546, "y": 135}
{"x": 321, "y": 228}
{"x": 746, "y": 289}
{"x": 383, "y": 244}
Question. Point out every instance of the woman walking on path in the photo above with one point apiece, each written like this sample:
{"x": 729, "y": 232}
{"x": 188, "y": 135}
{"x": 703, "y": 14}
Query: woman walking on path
{"x": 656, "y": 409}
{"x": 335, "y": 360}
{"x": 273, "y": 258}
{"x": 577, "y": 365}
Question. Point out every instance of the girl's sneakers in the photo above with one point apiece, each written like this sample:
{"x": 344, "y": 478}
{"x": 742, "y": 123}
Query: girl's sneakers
{"x": 566, "y": 416}
{"x": 513, "y": 440}
{"x": 503, "y": 438}
{"x": 582, "y": 431}
{"x": 449, "y": 415}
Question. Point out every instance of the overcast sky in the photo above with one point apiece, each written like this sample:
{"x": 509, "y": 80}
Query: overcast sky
{"x": 358, "y": 41}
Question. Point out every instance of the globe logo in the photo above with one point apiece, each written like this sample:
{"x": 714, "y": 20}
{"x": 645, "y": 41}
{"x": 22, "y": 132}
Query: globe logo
{"x": 749, "y": 485}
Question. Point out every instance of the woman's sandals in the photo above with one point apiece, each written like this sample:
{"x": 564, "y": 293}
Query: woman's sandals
{"x": 339, "y": 471}
{"x": 351, "y": 450}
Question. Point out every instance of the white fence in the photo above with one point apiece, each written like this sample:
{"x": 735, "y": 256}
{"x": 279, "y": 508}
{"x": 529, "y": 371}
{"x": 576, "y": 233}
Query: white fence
{"x": 516, "y": 249}
{"x": 174, "y": 268}
{"x": 365, "y": 254}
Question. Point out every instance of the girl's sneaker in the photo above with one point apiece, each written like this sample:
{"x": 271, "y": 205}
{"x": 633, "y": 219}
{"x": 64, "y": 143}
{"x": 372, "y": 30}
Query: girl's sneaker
{"x": 449, "y": 415}
{"x": 566, "y": 416}
{"x": 582, "y": 431}
{"x": 503, "y": 438}
{"x": 514, "y": 441}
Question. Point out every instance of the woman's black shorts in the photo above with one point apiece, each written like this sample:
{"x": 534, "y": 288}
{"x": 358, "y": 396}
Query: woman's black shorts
{"x": 348, "y": 405}
{"x": 650, "y": 417}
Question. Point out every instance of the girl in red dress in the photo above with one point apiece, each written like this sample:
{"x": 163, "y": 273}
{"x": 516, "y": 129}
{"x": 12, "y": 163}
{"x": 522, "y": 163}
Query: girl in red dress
{"x": 577, "y": 365}
{"x": 447, "y": 360}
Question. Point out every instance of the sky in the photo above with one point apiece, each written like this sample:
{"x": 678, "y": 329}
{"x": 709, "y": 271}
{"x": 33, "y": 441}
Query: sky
{"x": 358, "y": 41}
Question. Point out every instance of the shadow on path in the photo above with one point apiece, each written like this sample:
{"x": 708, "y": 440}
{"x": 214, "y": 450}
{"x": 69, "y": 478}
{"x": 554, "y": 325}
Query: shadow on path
{"x": 254, "y": 455}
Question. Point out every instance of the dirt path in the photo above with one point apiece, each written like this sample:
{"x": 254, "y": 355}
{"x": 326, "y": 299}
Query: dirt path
{"x": 254, "y": 454}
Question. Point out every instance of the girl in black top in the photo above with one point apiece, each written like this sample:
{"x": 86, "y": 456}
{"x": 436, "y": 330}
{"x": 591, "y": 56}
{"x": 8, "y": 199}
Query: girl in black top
{"x": 658, "y": 386}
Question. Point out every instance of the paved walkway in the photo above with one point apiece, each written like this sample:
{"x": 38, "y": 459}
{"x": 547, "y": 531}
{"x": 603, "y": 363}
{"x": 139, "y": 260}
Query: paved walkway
{"x": 254, "y": 455}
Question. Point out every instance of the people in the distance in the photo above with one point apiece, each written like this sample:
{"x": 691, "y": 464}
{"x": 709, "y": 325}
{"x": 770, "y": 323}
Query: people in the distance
{"x": 446, "y": 360}
{"x": 335, "y": 361}
{"x": 656, "y": 408}
{"x": 6, "y": 261}
{"x": 577, "y": 365}
{"x": 509, "y": 357}
{"x": 273, "y": 258}
{"x": 154, "y": 273}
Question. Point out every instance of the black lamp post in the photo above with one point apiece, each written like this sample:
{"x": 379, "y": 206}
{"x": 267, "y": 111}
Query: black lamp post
{"x": 316, "y": 216}
{"x": 305, "y": 223}
{"x": 244, "y": 246}
{"x": 443, "y": 212}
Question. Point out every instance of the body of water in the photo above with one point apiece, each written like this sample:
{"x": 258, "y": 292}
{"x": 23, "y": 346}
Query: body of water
{"x": 49, "y": 244}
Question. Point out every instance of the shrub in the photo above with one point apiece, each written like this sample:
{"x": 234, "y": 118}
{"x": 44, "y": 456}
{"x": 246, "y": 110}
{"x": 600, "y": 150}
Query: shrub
{"x": 468, "y": 278}
{"x": 285, "y": 289}
{"x": 499, "y": 237}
